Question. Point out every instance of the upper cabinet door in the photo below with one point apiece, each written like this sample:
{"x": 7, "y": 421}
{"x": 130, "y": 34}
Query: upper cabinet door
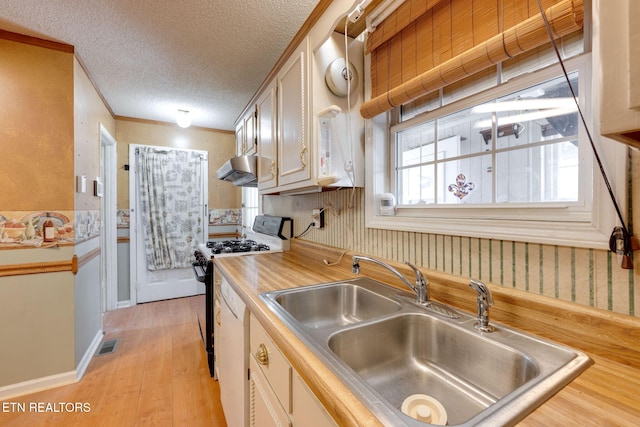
{"x": 240, "y": 138}
{"x": 246, "y": 134}
{"x": 267, "y": 139}
{"x": 250, "y": 133}
{"x": 293, "y": 119}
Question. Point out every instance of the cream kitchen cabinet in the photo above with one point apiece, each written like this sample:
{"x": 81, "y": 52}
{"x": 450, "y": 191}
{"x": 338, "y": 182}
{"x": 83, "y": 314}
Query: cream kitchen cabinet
{"x": 294, "y": 151}
{"x": 620, "y": 87}
{"x": 277, "y": 394}
{"x": 311, "y": 139}
{"x": 307, "y": 410}
{"x": 246, "y": 142}
{"x": 266, "y": 136}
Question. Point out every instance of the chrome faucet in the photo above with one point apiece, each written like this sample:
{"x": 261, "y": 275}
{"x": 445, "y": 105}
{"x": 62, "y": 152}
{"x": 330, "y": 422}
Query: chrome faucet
{"x": 485, "y": 300}
{"x": 421, "y": 287}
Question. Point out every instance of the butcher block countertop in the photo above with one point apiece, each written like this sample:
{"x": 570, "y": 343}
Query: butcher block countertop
{"x": 606, "y": 394}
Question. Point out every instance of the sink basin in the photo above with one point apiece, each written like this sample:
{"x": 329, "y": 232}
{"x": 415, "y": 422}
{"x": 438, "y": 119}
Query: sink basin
{"x": 386, "y": 348}
{"x": 338, "y": 304}
{"x": 416, "y": 353}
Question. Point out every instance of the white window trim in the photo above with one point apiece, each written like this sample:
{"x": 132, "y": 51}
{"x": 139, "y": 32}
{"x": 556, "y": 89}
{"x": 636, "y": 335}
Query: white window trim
{"x": 578, "y": 228}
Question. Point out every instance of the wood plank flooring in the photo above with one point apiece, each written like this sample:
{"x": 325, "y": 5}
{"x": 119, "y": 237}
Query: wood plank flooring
{"x": 157, "y": 376}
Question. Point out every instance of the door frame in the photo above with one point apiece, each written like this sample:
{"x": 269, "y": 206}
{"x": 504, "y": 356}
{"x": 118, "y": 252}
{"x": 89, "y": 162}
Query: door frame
{"x": 109, "y": 232}
{"x": 133, "y": 213}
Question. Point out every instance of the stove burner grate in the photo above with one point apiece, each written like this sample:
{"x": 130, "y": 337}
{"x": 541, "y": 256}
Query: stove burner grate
{"x": 232, "y": 246}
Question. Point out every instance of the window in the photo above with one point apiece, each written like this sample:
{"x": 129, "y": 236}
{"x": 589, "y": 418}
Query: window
{"x": 250, "y": 206}
{"x": 518, "y": 148}
{"x": 511, "y": 162}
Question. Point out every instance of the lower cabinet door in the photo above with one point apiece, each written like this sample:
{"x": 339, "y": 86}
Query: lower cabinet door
{"x": 265, "y": 409}
{"x": 307, "y": 411}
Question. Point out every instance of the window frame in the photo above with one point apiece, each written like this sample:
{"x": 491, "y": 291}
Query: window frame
{"x": 580, "y": 224}
{"x": 250, "y": 196}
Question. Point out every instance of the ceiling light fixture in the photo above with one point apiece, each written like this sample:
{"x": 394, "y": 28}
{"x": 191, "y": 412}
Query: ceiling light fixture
{"x": 183, "y": 119}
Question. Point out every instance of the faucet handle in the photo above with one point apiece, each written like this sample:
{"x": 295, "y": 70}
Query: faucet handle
{"x": 482, "y": 290}
{"x": 421, "y": 288}
{"x": 485, "y": 300}
{"x": 355, "y": 267}
{"x": 420, "y": 279}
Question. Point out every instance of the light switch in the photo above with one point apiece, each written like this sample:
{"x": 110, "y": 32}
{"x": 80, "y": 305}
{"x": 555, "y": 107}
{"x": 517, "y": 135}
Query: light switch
{"x": 97, "y": 187}
{"x": 81, "y": 183}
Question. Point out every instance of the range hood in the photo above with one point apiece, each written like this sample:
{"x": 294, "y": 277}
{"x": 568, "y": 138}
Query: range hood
{"x": 240, "y": 171}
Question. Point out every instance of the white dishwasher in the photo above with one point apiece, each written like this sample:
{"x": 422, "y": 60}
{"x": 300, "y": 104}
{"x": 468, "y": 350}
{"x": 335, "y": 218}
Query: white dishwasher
{"x": 233, "y": 361}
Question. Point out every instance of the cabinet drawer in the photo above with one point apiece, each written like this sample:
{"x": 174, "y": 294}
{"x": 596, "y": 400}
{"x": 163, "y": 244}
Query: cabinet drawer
{"x": 275, "y": 368}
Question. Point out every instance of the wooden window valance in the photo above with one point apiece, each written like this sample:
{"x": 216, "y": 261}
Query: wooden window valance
{"x": 453, "y": 39}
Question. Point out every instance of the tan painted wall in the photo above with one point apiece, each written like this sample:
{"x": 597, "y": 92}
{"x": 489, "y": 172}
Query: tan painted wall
{"x": 219, "y": 144}
{"x": 90, "y": 112}
{"x": 36, "y": 128}
{"x": 49, "y": 121}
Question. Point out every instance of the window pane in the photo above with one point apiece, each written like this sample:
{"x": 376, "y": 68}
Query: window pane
{"x": 476, "y": 83}
{"x": 425, "y": 103}
{"x": 416, "y": 145}
{"x": 543, "y": 112}
{"x": 536, "y": 59}
{"x": 465, "y": 181}
{"x": 250, "y": 201}
{"x": 538, "y": 174}
{"x": 519, "y": 148}
{"x": 416, "y": 185}
{"x": 458, "y": 134}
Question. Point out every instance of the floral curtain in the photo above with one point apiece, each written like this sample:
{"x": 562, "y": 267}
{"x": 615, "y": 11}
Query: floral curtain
{"x": 171, "y": 205}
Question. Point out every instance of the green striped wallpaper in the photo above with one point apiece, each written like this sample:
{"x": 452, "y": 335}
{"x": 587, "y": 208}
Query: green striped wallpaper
{"x": 585, "y": 276}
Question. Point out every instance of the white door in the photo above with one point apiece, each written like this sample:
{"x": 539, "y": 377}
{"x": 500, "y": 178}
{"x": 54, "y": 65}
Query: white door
{"x": 155, "y": 285}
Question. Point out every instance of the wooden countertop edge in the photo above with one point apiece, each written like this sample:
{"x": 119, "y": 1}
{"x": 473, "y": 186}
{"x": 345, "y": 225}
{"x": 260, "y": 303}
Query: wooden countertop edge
{"x": 611, "y": 340}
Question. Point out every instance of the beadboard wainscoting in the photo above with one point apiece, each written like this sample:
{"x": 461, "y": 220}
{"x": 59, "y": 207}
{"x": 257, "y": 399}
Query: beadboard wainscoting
{"x": 589, "y": 277}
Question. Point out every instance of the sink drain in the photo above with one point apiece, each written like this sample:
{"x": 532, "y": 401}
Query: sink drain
{"x": 425, "y": 408}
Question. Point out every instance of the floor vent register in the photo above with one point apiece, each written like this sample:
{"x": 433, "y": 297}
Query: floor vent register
{"x": 107, "y": 347}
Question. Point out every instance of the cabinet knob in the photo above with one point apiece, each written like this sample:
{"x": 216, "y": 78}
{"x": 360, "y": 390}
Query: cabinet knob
{"x": 262, "y": 355}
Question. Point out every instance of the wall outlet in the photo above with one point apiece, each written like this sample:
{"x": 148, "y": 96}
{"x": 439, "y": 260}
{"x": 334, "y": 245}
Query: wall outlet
{"x": 317, "y": 216}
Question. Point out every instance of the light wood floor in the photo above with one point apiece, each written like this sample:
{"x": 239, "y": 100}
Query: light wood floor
{"x": 158, "y": 375}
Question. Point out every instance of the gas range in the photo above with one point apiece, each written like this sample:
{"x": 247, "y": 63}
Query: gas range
{"x": 269, "y": 234}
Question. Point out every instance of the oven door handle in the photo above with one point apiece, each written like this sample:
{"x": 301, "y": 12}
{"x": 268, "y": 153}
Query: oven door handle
{"x": 199, "y": 272}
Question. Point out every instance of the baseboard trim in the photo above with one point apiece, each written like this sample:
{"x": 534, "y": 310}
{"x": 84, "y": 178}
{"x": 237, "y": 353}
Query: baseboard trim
{"x": 38, "y": 384}
{"x": 88, "y": 355}
{"x": 123, "y": 304}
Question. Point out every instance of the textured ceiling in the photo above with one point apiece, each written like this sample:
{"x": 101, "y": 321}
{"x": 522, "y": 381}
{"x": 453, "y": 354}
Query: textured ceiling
{"x": 150, "y": 58}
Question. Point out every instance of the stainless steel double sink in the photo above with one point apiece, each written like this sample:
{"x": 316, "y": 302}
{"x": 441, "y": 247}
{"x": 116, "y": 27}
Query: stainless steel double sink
{"x": 385, "y": 348}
